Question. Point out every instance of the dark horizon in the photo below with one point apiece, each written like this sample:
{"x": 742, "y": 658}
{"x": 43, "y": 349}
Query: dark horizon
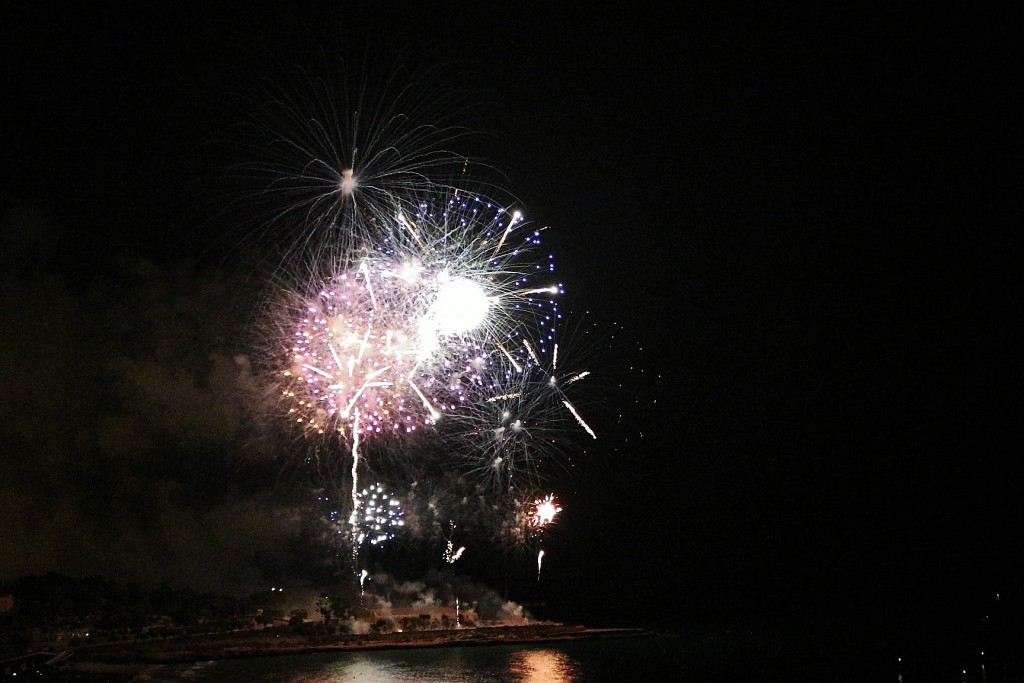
{"x": 805, "y": 221}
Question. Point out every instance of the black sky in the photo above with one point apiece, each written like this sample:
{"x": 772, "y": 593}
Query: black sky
{"x": 806, "y": 218}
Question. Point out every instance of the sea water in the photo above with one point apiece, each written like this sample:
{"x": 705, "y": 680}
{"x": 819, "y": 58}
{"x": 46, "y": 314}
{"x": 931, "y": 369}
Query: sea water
{"x": 611, "y": 660}
{"x": 659, "y": 657}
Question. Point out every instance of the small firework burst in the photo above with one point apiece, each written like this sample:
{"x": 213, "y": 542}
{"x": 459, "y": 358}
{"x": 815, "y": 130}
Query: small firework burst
{"x": 544, "y": 511}
{"x": 377, "y": 517}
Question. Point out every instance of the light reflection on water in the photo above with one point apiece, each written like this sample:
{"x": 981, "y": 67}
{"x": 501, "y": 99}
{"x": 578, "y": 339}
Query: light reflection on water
{"x": 526, "y": 666}
{"x": 542, "y": 666}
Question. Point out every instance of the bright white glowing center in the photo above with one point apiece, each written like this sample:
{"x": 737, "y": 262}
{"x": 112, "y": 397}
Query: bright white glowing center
{"x": 546, "y": 512}
{"x": 460, "y": 306}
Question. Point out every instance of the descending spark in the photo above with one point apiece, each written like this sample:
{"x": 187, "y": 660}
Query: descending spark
{"x": 434, "y": 414}
{"x": 504, "y": 397}
{"x": 412, "y": 229}
{"x": 540, "y": 290}
{"x": 533, "y": 354}
{"x": 511, "y": 358}
{"x": 579, "y": 419}
{"x": 576, "y": 377}
{"x": 318, "y": 371}
{"x": 515, "y": 218}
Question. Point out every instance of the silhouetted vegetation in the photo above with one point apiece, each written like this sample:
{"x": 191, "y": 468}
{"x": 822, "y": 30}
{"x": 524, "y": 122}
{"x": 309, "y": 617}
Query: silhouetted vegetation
{"x": 59, "y": 611}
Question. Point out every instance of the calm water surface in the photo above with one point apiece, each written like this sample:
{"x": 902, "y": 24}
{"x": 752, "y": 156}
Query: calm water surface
{"x": 653, "y": 658}
{"x": 613, "y": 660}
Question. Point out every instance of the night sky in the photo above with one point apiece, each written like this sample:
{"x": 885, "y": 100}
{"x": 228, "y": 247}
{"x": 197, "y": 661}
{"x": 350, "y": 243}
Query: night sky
{"x": 804, "y": 220}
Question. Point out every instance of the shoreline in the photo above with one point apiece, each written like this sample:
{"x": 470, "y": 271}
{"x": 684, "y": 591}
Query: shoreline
{"x": 141, "y": 657}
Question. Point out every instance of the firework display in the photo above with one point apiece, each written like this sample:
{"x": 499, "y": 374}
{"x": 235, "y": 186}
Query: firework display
{"x": 415, "y": 305}
{"x": 404, "y": 333}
